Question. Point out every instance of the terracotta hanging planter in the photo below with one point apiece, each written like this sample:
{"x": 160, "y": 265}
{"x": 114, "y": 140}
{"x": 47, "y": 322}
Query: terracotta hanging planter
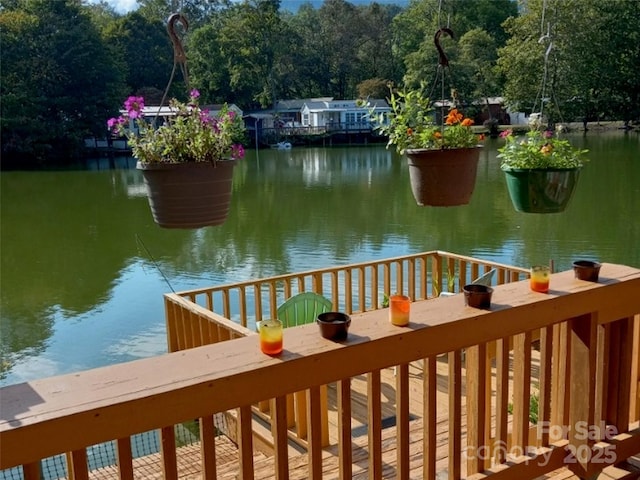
{"x": 443, "y": 178}
{"x": 189, "y": 194}
{"x": 541, "y": 190}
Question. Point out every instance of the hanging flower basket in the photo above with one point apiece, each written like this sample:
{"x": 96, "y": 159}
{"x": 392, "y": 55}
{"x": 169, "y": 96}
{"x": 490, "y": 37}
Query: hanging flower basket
{"x": 189, "y": 194}
{"x": 541, "y": 190}
{"x": 443, "y": 178}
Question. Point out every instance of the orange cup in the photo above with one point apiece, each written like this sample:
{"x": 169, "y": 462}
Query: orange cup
{"x": 271, "y": 333}
{"x": 539, "y": 279}
{"x": 399, "y": 308}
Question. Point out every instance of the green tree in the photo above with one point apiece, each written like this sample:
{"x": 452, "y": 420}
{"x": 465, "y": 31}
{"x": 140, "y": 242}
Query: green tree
{"x": 143, "y": 49}
{"x": 252, "y": 38}
{"x": 340, "y": 33}
{"x": 375, "y": 54}
{"x": 414, "y": 38}
{"x": 478, "y": 56}
{"x": 311, "y": 77}
{"x": 373, "y": 88}
{"x": 58, "y": 82}
{"x": 198, "y": 12}
{"x": 563, "y": 57}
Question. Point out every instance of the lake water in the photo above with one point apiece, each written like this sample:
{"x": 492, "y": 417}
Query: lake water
{"x": 84, "y": 267}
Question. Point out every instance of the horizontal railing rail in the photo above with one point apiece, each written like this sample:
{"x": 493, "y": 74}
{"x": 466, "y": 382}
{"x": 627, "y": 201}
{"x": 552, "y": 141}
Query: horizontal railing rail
{"x": 589, "y": 377}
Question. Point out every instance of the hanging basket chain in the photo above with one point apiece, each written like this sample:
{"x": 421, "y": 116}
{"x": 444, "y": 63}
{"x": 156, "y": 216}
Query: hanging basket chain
{"x": 544, "y": 38}
{"x": 179, "y": 55}
{"x": 443, "y": 65}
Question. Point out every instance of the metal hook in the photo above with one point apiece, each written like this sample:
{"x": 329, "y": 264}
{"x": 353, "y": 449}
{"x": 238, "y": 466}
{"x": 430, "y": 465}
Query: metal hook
{"x": 443, "y": 60}
{"x": 179, "y": 54}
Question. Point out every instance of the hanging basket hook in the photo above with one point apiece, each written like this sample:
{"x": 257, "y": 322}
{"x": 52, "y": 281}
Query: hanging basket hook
{"x": 443, "y": 60}
{"x": 179, "y": 54}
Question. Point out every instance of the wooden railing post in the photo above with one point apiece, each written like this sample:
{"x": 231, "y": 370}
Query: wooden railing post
{"x": 618, "y": 371}
{"x": 582, "y": 361}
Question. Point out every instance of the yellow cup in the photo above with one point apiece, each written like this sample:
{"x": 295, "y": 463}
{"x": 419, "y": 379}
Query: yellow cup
{"x": 539, "y": 280}
{"x": 399, "y": 309}
{"x": 271, "y": 333}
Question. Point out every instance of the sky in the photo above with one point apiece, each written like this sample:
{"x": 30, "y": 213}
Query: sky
{"x": 121, "y": 6}
{"x": 124, "y": 6}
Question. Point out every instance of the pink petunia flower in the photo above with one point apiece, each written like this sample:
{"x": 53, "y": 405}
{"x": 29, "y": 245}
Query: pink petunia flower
{"x": 134, "y": 105}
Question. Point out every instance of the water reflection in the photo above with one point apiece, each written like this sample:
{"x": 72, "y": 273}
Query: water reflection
{"x": 84, "y": 267}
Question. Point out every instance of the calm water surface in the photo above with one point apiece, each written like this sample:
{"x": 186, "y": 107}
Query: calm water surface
{"x": 84, "y": 267}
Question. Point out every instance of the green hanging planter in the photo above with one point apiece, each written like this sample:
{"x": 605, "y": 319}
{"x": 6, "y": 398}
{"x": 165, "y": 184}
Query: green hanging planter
{"x": 547, "y": 190}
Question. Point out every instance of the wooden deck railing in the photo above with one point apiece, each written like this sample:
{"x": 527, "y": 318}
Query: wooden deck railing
{"x": 198, "y": 317}
{"x": 584, "y": 369}
{"x": 352, "y": 288}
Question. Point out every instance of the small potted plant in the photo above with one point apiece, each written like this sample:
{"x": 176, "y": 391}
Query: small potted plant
{"x": 187, "y": 161}
{"x": 542, "y": 169}
{"x": 442, "y": 159}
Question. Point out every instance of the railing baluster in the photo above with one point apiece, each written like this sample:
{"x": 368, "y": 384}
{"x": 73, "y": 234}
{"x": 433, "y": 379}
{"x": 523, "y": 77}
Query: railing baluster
{"x": 31, "y": 471}
{"x": 411, "y": 289}
{"x": 77, "y": 464}
{"x": 345, "y": 448}
{"x": 455, "y": 414}
{"x": 374, "y": 287}
{"x": 374, "y": 429}
{"x": 521, "y": 390}
{"x": 430, "y": 390}
{"x": 476, "y": 364}
{"x": 544, "y": 389}
{"x": 279, "y": 426}
{"x": 402, "y": 421}
{"x": 335, "y": 292}
{"x": 124, "y": 458}
{"x": 399, "y": 276}
{"x": 462, "y": 274}
{"x": 362, "y": 291}
{"x": 168, "y": 453}
{"x": 208, "y": 447}
{"x": 348, "y": 292}
{"x": 314, "y": 433}
{"x": 245, "y": 442}
{"x": 499, "y": 449}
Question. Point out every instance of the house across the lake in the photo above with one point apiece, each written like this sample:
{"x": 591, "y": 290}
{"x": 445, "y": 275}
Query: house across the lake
{"x": 316, "y": 120}
{"x": 115, "y": 145}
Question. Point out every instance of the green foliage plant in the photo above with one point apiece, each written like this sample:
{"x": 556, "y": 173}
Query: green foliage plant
{"x": 539, "y": 149}
{"x": 190, "y": 134}
{"x": 411, "y": 124}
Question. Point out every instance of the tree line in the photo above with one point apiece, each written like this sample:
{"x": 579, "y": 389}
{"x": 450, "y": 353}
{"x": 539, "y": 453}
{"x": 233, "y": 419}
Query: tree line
{"x": 67, "y": 65}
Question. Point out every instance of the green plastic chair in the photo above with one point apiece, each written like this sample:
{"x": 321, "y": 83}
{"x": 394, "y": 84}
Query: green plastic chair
{"x": 303, "y": 308}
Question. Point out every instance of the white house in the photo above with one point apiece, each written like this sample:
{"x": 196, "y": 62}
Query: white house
{"x": 341, "y": 114}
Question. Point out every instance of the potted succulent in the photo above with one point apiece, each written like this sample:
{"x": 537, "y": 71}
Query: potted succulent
{"x": 187, "y": 161}
{"x": 541, "y": 169}
{"x": 442, "y": 159}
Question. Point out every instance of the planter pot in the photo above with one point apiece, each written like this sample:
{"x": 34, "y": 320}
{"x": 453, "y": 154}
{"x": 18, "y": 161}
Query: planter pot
{"x": 334, "y": 325}
{"x": 477, "y": 296}
{"x": 541, "y": 190}
{"x": 443, "y": 178}
{"x": 586, "y": 270}
{"x": 188, "y": 195}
